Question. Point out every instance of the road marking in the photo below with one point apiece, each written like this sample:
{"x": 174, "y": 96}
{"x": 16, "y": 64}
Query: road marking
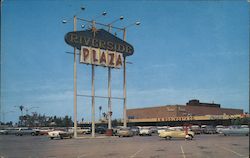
{"x": 183, "y": 154}
{"x": 231, "y": 151}
{"x": 136, "y": 153}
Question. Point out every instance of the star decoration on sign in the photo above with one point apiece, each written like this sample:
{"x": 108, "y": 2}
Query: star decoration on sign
{"x": 94, "y": 30}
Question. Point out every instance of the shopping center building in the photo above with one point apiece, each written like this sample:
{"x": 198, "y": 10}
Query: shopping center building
{"x": 192, "y": 108}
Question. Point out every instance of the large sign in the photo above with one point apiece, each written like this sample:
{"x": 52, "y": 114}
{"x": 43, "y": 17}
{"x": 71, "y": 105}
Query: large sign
{"x": 100, "y": 57}
{"x": 99, "y": 39}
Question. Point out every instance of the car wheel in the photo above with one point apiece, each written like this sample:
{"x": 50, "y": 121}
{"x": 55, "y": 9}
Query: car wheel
{"x": 168, "y": 138}
{"x": 225, "y": 135}
{"x": 51, "y": 137}
{"x": 33, "y": 134}
{"x": 190, "y": 137}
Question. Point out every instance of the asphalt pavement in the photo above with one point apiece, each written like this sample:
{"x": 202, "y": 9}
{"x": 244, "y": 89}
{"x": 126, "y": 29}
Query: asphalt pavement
{"x": 202, "y": 146}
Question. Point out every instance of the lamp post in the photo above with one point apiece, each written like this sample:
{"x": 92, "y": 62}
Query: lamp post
{"x": 109, "y": 80}
{"x": 124, "y": 78}
{"x": 93, "y": 80}
{"x": 75, "y": 85}
{"x": 74, "y": 76}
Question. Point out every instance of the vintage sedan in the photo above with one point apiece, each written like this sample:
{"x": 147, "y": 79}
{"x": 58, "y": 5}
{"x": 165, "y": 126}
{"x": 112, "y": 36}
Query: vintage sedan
{"x": 60, "y": 134}
{"x": 145, "y": 131}
{"x": 234, "y": 130}
{"x": 125, "y": 132}
{"x": 27, "y": 131}
{"x": 177, "y": 133}
{"x": 3, "y": 132}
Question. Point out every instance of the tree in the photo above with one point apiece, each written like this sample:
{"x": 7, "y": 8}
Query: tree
{"x": 100, "y": 111}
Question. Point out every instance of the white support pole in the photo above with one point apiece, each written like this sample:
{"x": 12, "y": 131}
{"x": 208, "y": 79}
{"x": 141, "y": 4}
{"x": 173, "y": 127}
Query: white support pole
{"x": 109, "y": 93}
{"x": 93, "y": 100}
{"x": 75, "y": 88}
{"x": 124, "y": 87}
{"x": 124, "y": 95}
{"x": 109, "y": 99}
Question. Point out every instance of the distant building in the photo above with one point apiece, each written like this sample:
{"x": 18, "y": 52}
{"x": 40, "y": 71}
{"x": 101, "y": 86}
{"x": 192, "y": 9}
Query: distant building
{"x": 192, "y": 108}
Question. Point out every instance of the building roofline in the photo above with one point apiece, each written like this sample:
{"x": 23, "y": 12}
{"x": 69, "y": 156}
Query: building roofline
{"x": 154, "y": 107}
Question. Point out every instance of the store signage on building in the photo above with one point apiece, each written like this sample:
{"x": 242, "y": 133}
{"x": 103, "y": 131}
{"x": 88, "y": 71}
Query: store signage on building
{"x": 99, "y": 39}
{"x": 101, "y": 57}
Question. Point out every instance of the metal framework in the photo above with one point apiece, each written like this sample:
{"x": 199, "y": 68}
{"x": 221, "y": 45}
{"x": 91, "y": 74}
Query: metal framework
{"x": 94, "y": 23}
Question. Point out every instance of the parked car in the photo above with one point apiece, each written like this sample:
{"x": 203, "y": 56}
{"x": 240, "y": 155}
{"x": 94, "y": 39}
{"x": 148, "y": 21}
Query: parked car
{"x": 45, "y": 130}
{"x": 196, "y": 129}
{"x": 177, "y": 133}
{"x": 60, "y": 134}
{"x": 154, "y": 129}
{"x": 3, "y": 132}
{"x": 145, "y": 131}
{"x": 234, "y": 130}
{"x": 27, "y": 131}
{"x": 218, "y": 128}
{"x": 86, "y": 130}
{"x": 12, "y": 131}
{"x": 162, "y": 129}
{"x": 125, "y": 132}
{"x": 101, "y": 130}
{"x": 81, "y": 130}
{"x": 116, "y": 130}
{"x": 135, "y": 130}
{"x": 207, "y": 129}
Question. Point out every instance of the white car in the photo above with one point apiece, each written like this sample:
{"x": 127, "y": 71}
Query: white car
{"x": 59, "y": 134}
{"x": 234, "y": 130}
{"x": 86, "y": 130}
{"x": 145, "y": 131}
{"x": 81, "y": 130}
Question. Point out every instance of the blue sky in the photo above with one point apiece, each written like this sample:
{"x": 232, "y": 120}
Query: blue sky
{"x": 183, "y": 50}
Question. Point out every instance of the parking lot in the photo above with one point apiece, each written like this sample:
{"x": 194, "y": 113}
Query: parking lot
{"x": 203, "y": 146}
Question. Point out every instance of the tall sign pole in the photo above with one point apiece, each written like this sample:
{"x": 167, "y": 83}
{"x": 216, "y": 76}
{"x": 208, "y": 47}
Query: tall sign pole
{"x": 124, "y": 86}
{"x": 93, "y": 89}
{"x": 109, "y": 98}
{"x": 100, "y": 48}
{"x": 109, "y": 93}
{"x": 93, "y": 100}
{"x": 75, "y": 87}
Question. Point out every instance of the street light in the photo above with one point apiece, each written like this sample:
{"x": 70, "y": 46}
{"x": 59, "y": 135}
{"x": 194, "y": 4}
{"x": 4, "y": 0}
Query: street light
{"x": 110, "y": 24}
{"x": 75, "y": 84}
{"x": 104, "y": 13}
{"x": 109, "y": 79}
{"x": 124, "y": 77}
{"x": 74, "y": 75}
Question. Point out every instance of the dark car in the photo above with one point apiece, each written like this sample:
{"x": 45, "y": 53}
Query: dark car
{"x": 207, "y": 129}
{"x": 101, "y": 130}
{"x": 196, "y": 129}
{"x": 135, "y": 130}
